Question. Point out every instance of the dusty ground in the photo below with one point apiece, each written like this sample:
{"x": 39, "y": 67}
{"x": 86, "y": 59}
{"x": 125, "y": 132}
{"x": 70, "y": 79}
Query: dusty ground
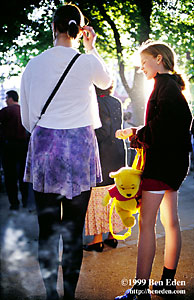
{"x": 102, "y": 273}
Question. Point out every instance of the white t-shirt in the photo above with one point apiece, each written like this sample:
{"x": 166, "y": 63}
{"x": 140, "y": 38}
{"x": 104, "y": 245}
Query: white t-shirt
{"x": 75, "y": 104}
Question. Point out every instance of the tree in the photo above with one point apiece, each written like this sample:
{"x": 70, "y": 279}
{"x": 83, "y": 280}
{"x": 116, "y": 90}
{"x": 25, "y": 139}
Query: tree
{"x": 21, "y": 35}
{"x": 172, "y": 22}
{"x": 121, "y": 27}
{"x": 106, "y": 13}
{"x": 114, "y": 14}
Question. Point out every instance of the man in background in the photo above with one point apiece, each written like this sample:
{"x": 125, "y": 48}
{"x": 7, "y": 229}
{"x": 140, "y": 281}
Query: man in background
{"x": 14, "y": 144}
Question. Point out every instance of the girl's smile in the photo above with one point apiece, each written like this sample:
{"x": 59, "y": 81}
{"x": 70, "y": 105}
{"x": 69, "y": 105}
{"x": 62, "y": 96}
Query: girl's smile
{"x": 149, "y": 65}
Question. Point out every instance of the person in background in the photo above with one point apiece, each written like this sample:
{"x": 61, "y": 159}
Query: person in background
{"x": 112, "y": 157}
{"x": 130, "y": 152}
{"x": 63, "y": 160}
{"x": 166, "y": 140}
{"x": 14, "y": 146}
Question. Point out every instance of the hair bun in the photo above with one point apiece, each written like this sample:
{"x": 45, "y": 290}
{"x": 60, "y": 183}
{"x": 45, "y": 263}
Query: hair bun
{"x": 73, "y": 29}
{"x": 67, "y": 19}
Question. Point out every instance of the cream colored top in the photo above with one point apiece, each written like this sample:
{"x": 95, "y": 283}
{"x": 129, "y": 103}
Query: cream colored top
{"x": 75, "y": 104}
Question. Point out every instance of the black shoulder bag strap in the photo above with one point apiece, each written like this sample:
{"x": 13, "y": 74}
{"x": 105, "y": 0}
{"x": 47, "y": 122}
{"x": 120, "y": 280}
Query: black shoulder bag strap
{"x": 57, "y": 87}
{"x": 58, "y": 84}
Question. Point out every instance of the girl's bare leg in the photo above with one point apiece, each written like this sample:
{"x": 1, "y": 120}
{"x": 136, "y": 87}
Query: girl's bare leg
{"x": 170, "y": 221}
{"x": 146, "y": 244}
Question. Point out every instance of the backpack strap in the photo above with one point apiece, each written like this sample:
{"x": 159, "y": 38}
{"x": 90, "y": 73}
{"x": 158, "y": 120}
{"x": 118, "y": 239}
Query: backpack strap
{"x": 117, "y": 236}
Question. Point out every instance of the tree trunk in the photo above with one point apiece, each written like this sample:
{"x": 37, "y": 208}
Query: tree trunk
{"x": 118, "y": 46}
{"x": 145, "y": 8}
{"x": 136, "y": 94}
{"x": 138, "y": 98}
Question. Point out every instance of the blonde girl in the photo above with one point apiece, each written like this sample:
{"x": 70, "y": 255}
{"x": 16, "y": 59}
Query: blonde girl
{"x": 166, "y": 138}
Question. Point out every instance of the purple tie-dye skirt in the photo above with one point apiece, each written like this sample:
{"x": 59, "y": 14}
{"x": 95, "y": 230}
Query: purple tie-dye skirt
{"x": 63, "y": 161}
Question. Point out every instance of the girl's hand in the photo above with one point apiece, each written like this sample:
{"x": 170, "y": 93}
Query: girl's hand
{"x": 123, "y": 133}
{"x": 89, "y": 37}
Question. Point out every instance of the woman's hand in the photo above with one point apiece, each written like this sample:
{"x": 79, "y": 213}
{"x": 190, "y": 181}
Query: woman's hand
{"x": 125, "y": 133}
{"x": 89, "y": 37}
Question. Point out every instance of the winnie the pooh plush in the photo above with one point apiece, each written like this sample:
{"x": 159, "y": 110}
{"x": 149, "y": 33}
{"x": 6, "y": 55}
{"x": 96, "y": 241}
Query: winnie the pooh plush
{"x": 124, "y": 194}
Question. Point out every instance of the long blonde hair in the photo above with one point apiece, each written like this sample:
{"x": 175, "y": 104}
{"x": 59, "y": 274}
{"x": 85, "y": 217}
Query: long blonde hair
{"x": 168, "y": 57}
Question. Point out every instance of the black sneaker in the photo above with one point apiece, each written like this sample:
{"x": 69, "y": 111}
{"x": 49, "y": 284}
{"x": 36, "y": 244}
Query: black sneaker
{"x": 133, "y": 294}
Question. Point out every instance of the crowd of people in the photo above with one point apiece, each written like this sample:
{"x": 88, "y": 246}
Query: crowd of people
{"x": 67, "y": 134}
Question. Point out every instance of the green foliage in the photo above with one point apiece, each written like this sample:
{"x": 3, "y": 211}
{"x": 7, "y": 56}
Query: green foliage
{"x": 173, "y": 23}
{"x": 120, "y": 26}
{"x": 25, "y": 30}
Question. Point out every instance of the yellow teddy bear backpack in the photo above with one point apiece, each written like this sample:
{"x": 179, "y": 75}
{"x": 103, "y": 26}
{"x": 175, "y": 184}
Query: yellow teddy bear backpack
{"x": 138, "y": 164}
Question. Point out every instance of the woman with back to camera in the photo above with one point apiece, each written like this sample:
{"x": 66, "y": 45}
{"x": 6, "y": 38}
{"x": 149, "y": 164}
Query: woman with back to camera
{"x": 63, "y": 160}
{"x": 167, "y": 142}
{"x": 112, "y": 158}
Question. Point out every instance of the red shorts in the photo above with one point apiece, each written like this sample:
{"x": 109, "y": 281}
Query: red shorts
{"x": 149, "y": 184}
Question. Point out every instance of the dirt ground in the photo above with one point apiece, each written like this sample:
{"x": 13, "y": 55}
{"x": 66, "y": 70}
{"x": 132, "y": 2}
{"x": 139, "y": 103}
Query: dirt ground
{"x": 102, "y": 273}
